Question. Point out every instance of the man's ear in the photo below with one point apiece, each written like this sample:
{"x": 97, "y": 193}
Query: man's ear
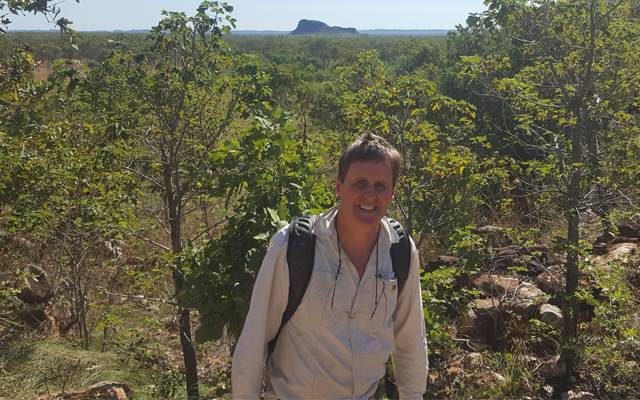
{"x": 338, "y": 187}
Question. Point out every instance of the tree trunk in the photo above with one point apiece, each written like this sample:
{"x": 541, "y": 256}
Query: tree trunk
{"x": 174, "y": 200}
{"x": 574, "y": 197}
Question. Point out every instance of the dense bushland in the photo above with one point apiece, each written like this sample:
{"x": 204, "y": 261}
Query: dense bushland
{"x": 141, "y": 176}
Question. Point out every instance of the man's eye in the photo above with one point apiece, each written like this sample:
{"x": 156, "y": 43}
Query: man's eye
{"x": 360, "y": 184}
{"x": 380, "y": 187}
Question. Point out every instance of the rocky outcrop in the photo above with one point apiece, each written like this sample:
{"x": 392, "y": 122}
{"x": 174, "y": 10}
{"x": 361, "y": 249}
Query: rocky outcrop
{"x": 619, "y": 252}
{"x": 552, "y": 280}
{"x": 102, "y": 391}
{"x": 507, "y": 299}
{"x": 37, "y": 289}
{"x": 484, "y": 322}
{"x": 552, "y": 316}
{"x": 512, "y": 294}
{"x": 441, "y": 261}
{"x": 311, "y": 27}
{"x": 532, "y": 260}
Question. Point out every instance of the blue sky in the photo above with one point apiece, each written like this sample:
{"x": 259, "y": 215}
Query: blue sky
{"x": 267, "y": 14}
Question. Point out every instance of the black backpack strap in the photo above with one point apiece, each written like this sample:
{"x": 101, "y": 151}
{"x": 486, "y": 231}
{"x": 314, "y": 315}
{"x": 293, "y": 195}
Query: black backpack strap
{"x": 400, "y": 254}
{"x": 301, "y": 251}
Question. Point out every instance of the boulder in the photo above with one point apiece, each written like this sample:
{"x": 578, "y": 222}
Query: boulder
{"x": 447, "y": 261}
{"x": 484, "y": 321}
{"x": 533, "y": 259}
{"x": 600, "y": 249}
{"x": 484, "y": 379}
{"x": 553, "y": 368}
{"x": 101, "y": 391}
{"x": 606, "y": 237}
{"x": 473, "y": 361}
{"x": 526, "y": 299}
{"x": 494, "y": 285}
{"x": 616, "y": 252}
{"x": 551, "y": 315}
{"x": 622, "y": 239}
{"x": 578, "y": 395}
{"x": 622, "y": 250}
{"x": 455, "y": 368}
{"x": 37, "y": 289}
{"x": 552, "y": 280}
{"x": 629, "y": 231}
{"x": 520, "y": 297}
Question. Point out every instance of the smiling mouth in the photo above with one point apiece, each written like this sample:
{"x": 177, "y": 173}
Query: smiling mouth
{"x": 366, "y": 208}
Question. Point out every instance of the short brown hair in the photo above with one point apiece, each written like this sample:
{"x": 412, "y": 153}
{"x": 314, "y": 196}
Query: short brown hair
{"x": 370, "y": 147}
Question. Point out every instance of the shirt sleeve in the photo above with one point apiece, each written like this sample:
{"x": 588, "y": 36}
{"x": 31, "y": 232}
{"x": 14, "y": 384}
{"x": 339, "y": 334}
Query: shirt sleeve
{"x": 268, "y": 302}
{"x": 409, "y": 356}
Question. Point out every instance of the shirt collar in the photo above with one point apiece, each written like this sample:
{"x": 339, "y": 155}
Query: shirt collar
{"x": 325, "y": 226}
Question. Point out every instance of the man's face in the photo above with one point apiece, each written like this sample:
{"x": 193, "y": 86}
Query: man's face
{"x": 366, "y": 192}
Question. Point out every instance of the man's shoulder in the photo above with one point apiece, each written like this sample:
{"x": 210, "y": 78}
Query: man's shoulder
{"x": 280, "y": 238}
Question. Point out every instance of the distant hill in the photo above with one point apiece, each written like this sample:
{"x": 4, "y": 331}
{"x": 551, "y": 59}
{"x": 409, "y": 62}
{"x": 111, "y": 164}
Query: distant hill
{"x": 363, "y": 32}
{"x": 311, "y": 27}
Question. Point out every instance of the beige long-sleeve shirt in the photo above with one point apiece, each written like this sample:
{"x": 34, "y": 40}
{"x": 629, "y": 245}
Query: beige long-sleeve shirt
{"x": 333, "y": 349}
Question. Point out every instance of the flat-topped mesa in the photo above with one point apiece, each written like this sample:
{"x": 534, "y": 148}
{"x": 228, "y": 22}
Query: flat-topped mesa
{"x": 311, "y": 27}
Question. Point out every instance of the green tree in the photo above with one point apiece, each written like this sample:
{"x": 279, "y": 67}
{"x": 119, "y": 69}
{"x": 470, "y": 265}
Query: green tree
{"x": 438, "y": 190}
{"x": 570, "y": 105}
{"x": 61, "y": 186}
{"x": 274, "y": 182}
{"x": 190, "y": 90}
{"x": 47, "y": 8}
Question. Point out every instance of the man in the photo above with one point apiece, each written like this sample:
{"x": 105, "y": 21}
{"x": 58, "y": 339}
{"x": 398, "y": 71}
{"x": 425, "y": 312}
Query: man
{"x": 351, "y": 318}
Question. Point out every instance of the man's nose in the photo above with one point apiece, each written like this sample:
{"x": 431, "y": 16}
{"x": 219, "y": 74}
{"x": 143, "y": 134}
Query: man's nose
{"x": 370, "y": 192}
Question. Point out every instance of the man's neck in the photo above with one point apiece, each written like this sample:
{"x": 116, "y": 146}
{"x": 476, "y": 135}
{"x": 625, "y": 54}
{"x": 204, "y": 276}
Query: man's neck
{"x": 357, "y": 240}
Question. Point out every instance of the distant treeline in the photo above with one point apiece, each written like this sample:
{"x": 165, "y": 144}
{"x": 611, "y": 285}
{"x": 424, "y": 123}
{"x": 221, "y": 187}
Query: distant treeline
{"x": 317, "y": 51}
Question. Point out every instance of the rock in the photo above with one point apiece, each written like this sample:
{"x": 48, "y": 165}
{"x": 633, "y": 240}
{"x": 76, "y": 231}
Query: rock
{"x": 488, "y": 229}
{"x": 552, "y": 280}
{"x": 575, "y": 395}
{"x": 606, "y": 237}
{"x": 455, "y": 368}
{"x": 617, "y": 252}
{"x": 494, "y": 285}
{"x": 517, "y": 256}
{"x": 629, "y": 231}
{"x": 553, "y": 368}
{"x": 525, "y": 299}
{"x": 311, "y": 27}
{"x": 446, "y": 261}
{"x": 101, "y": 391}
{"x": 484, "y": 321}
{"x": 515, "y": 295}
{"x": 622, "y": 249}
{"x": 551, "y": 315}
{"x": 37, "y": 290}
{"x": 473, "y": 361}
{"x": 623, "y": 239}
{"x": 600, "y": 249}
{"x": 555, "y": 259}
{"x": 484, "y": 379}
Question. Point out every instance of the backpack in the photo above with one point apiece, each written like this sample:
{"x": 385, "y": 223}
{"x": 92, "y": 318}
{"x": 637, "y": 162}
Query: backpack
{"x": 301, "y": 249}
